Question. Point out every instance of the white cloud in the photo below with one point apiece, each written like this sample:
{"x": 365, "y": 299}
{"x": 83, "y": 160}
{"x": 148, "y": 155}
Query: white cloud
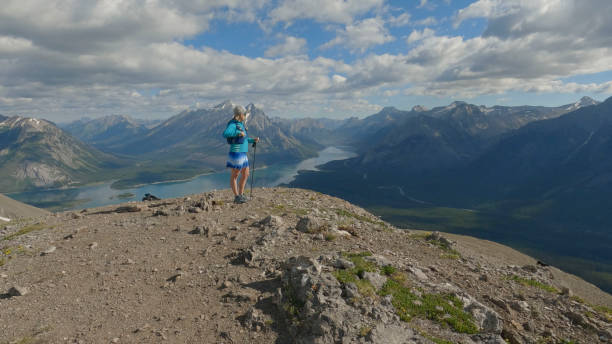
{"x": 71, "y": 58}
{"x": 326, "y": 11}
{"x": 361, "y": 35}
{"x": 417, "y": 35}
{"x": 290, "y": 46}
{"x": 426, "y": 21}
{"x": 401, "y": 20}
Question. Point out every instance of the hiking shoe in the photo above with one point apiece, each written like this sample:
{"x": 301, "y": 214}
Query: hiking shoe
{"x": 244, "y": 198}
{"x": 238, "y": 199}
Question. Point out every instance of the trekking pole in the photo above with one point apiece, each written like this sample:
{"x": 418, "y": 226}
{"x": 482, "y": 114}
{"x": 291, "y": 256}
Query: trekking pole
{"x": 253, "y": 172}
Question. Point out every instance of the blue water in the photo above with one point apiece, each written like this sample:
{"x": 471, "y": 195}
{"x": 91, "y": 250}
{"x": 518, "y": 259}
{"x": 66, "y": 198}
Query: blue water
{"x": 102, "y": 194}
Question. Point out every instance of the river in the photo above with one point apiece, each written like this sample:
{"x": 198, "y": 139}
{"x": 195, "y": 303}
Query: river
{"x": 102, "y": 194}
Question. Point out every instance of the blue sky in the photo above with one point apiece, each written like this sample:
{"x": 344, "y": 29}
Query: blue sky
{"x": 64, "y": 59}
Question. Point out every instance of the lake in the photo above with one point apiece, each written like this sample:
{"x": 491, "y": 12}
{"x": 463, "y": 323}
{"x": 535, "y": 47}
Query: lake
{"x": 102, "y": 194}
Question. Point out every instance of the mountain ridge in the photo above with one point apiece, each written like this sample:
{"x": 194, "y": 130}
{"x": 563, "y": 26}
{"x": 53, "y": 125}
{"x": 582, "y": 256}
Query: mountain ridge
{"x": 289, "y": 266}
{"x": 35, "y": 153}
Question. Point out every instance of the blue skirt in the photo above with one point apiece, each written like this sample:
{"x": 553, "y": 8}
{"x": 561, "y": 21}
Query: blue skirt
{"x": 237, "y": 160}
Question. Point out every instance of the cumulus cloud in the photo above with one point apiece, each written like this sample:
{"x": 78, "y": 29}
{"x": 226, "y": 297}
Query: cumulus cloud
{"x": 334, "y": 11}
{"x": 290, "y": 46}
{"x": 68, "y": 58}
{"x": 417, "y": 35}
{"x": 401, "y": 20}
{"x": 361, "y": 35}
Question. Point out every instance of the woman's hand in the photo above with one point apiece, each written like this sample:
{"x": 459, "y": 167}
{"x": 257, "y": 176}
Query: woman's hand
{"x": 257, "y": 139}
{"x": 241, "y": 133}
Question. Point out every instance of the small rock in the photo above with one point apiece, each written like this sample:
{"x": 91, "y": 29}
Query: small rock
{"x": 195, "y": 210}
{"x": 160, "y": 212}
{"x": 3, "y": 276}
{"x": 271, "y": 221}
{"x": 436, "y": 236}
{"x": 521, "y": 306}
{"x": 351, "y": 290}
{"x": 565, "y": 291}
{"x": 378, "y": 260}
{"x": 308, "y": 224}
{"x": 129, "y": 209}
{"x": 93, "y": 245}
{"x": 49, "y": 250}
{"x": 115, "y": 340}
{"x": 341, "y": 233}
{"x": 226, "y": 284}
{"x": 418, "y": 273}
{"x": 530, "y": 268}
{"x": 376, "y": 279}
{"x": 18, "y": 291}
{"x": 342, "y": 263}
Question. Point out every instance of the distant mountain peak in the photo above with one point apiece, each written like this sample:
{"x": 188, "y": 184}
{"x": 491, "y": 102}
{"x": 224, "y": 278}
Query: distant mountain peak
{"x": 419, "y": 108}
{"x": 228, "y": 104}
{"x": 584, "y": 101}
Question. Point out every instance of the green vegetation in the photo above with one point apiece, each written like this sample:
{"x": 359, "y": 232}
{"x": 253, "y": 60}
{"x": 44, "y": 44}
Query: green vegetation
{"x": 346, "y": 276}
{"x": 330, "y": 237}
{"x": 445, "y": 309}
{"x": 442, "y": 308}
{"x": 345, "y": 213}
{"x": 364, "y": 331}
{"x": 449, "y": 253}
{"x": 293, "y": 306}
{"x": 26, "y": 230}
{"x": 7, "y": 253}
{"x": 605, "y": 311}
{"x": 533, "y": 283}
{"x": 388, "y": 270}
{"x": 281, "y": 208}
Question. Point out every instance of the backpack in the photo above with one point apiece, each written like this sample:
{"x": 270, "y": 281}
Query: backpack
{"x": 238, "y": 140}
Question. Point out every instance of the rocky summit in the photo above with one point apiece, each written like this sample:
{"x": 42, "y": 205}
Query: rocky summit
{"x": 289, "y": 266}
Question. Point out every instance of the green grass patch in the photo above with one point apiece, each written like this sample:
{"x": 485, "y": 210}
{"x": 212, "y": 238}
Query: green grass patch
{"x": 453, "y": 255}
{"x": 605, "y": 311}
{"x": 364, "y": 331}
{"x": 345, "y": 213}
{"x": 534, "y": 283}
{"x": 293, "y": 306}
{"x": 442, "y": 308}
{"x": 352, "y": 275}
{"x": 330, "y": 237}
{"x": 388, "y": 270}
{"x": 26, "y": 230}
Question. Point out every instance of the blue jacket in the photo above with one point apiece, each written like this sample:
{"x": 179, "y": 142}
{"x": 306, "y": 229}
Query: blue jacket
{"x": 233, "y": 128}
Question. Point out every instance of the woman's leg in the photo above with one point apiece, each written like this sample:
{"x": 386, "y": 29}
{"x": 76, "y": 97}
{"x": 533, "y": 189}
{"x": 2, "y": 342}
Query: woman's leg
{"x": 233, "y": 178}
{"x": 243, "y": 179}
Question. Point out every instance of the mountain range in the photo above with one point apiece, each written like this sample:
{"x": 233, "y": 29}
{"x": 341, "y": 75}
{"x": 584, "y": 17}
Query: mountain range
{"x": 34, "y": 153}
{"x": 38, "y": 154}
{"x": 535, "y": 178}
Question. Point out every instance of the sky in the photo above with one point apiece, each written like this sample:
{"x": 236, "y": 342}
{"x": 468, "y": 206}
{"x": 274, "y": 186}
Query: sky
{"x": 66, "y": 59}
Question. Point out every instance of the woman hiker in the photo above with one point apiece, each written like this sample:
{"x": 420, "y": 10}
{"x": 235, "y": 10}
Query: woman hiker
{"x": 237, "y": 137}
